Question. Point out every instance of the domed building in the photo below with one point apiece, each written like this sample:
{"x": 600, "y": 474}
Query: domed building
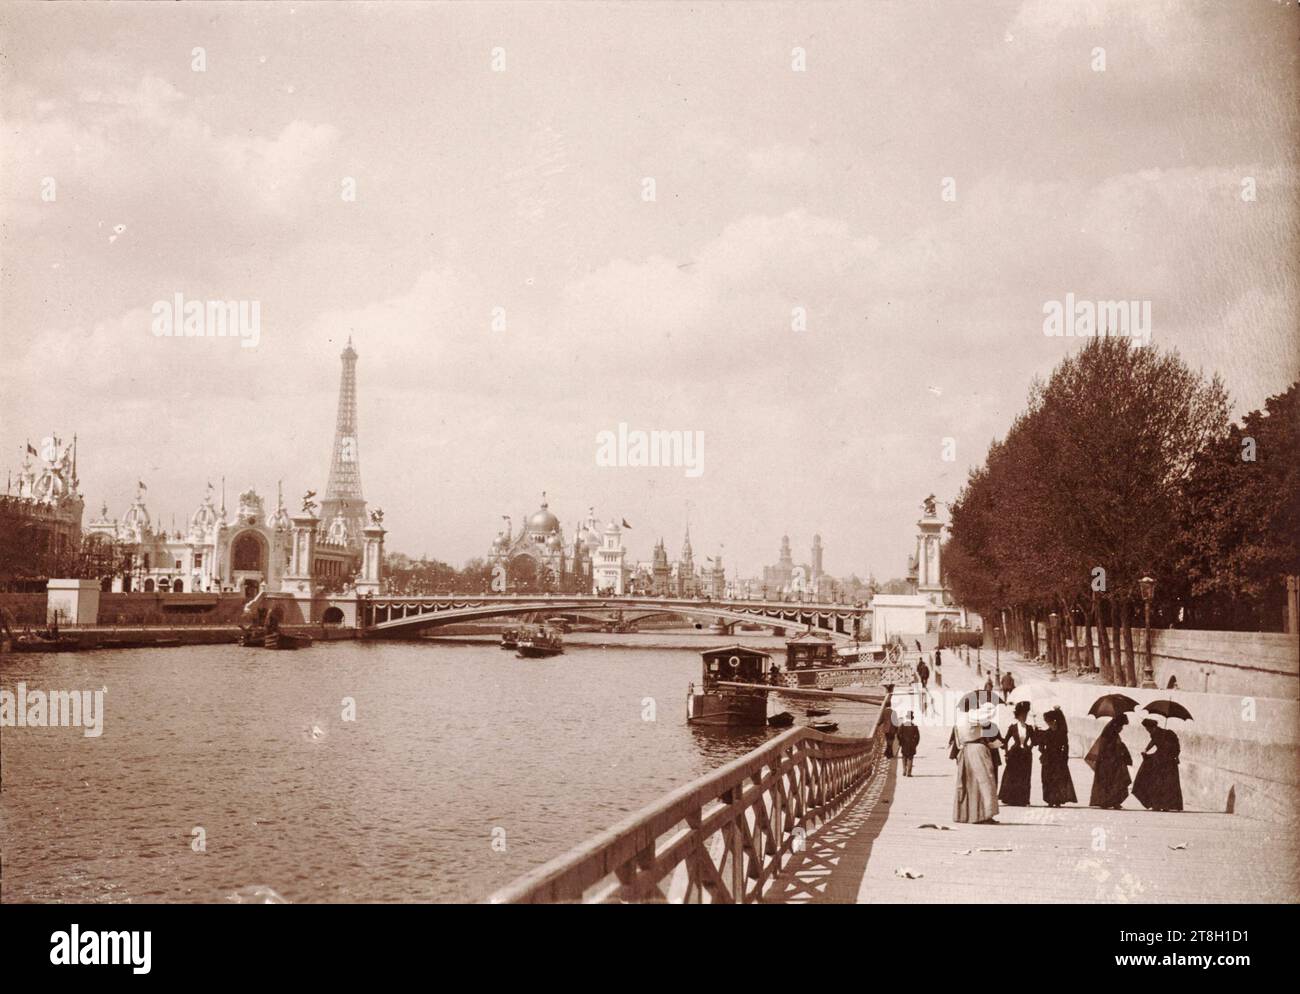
{"x": 537, "y": 558}
{"x": 220, "y": 551}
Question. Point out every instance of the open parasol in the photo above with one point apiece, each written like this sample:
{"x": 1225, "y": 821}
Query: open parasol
{"x": 1110, "y": 705}
{"x": 1168, "y": 709}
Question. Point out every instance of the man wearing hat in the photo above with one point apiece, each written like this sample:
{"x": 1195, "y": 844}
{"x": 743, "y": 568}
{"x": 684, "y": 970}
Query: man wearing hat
{"x": 909, "y": 737}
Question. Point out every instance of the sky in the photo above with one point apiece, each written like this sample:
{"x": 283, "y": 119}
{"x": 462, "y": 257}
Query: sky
{"x": 929, "y": 178}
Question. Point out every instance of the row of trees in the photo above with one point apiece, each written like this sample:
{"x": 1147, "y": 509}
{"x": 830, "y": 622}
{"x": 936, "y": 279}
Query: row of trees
{"x": 1125, "y": 464}
{"x": 27, "y": 559}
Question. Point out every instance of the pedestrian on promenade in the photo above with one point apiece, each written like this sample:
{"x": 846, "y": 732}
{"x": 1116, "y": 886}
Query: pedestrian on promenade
{"x": 976, "y": 798}
{"x": 938, "y": 658}
{"x": 1008, "y": 683}
{"x": 1019, "y": 747}
{"x": 922, "y": 672}
{"x": 1110, "y": 759}
{"x": 1156, "y": 784}
{"x": 1054, "y": 754}
{"x": 909, "y": 737}
{"x": 891, "y": 721}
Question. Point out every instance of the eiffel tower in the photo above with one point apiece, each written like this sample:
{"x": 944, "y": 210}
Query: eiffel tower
{"x": 344, "y": 490}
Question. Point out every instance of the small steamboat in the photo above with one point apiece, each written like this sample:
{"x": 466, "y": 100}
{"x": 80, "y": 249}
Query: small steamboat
{"x": 540, "y": 643}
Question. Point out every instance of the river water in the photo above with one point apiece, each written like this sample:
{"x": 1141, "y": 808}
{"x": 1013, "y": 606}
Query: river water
{"x": 464, "y": 767}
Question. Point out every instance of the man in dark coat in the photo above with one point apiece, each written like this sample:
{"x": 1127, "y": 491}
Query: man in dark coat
{"x": 909, "y": 737}
{"x": 891, "y": 720}
{"x": 1156, "y": 784}
{"x": 922, "y": 673}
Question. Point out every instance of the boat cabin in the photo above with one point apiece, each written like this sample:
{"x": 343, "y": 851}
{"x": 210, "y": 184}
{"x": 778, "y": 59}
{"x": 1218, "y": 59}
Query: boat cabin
{"x": 810, "y": 651}
{"x": 737, "y": 664}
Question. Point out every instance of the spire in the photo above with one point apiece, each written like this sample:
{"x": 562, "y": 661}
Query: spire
{"x": 343, "y": 493}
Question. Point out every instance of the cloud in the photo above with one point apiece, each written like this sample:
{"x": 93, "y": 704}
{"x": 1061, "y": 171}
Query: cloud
{"x": 145, "y": 145}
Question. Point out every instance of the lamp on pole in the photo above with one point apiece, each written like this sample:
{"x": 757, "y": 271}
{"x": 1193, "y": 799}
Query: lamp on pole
{"x": 1051, "y": 640}
{"x": 997, "y": 655}
{"x": 1148, "y": 586}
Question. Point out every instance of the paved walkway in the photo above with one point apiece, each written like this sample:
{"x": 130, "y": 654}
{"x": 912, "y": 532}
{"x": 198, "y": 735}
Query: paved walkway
{"x": 878, "y": 852}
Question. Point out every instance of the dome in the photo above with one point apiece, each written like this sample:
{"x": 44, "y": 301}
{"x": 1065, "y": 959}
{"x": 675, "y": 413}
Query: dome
{"x": 204, "y": 517}
{"x": 543, "y": 521}
{"x": 612, "y": 528}
{"x": 554, "y": 542}
{"x": 591, "y": 538}
{"x": 136, "y": 515}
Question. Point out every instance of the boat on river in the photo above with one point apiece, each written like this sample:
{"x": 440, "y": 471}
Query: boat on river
{"x": 283, "y": 640}
{"x": 43, "y": 642}
{"x": 716, "y": 705}
{"x": 510, "y": 638}
{"x": 539, "y": 643}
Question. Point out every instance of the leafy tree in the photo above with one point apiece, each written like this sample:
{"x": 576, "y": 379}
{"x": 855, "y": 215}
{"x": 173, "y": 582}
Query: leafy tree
{"x": 1241, "y": 506}
{"x": 1077, "y": 502}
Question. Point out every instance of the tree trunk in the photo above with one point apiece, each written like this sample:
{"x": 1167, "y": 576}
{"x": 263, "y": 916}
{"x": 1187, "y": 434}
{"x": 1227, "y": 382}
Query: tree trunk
{"x": 1103, "y": 644}
{"x": 1069, "y": 633}
{"x": 1087, "y": 642}
{"x": 1117, "y": 654}
{"x": 1130, "y": 669}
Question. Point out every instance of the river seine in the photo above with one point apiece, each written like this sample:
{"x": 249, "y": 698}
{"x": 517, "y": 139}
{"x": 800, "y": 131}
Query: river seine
{"x": 464, "y": 767}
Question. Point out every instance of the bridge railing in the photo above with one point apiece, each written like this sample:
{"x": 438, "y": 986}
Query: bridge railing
{"x": 720, "y": 839}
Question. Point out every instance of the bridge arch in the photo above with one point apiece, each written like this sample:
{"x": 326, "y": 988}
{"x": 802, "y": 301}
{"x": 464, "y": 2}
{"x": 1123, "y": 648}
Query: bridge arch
{"x": 396, "y": 617}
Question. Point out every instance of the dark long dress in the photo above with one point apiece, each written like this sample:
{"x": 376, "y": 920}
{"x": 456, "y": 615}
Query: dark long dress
{"x": 1016, "y": 777}
{"x": 1110, "y": 759}
{"x": 1054, "y": 755}
{"x": 1156, "y": 784}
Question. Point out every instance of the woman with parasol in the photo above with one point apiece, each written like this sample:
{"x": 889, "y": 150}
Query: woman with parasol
{"x": 1054, "y": 752}
{"x": 1157, "y": 784}
{"x": 1109, "y": 756}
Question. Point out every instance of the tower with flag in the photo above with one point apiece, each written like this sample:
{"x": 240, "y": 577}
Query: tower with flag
{"x": 343, "y": 498}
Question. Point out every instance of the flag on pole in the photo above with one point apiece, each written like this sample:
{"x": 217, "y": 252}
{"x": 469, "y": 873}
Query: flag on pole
{"x": 140, "y": 484}
{"x": 31, "y": 449}
{"x": 625, "y": 524}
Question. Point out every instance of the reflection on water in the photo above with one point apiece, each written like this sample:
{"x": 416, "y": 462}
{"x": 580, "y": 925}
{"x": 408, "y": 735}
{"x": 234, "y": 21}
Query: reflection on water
{"x": 464, "y": 768}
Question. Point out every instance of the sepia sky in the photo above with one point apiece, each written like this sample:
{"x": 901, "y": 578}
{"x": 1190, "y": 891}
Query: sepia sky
{"x": 775, "y": 189}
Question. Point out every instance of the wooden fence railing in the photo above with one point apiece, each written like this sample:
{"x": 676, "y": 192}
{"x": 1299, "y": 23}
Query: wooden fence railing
{"x": 722, "y": 838}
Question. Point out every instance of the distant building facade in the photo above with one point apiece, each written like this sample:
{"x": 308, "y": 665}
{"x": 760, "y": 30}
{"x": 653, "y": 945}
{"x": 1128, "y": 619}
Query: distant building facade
{"x": 239, "y": 551}
{"x": 41, "y": 514}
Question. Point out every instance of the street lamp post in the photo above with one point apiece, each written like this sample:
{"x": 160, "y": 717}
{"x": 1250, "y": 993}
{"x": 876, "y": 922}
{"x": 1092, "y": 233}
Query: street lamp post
{"x": 997, "y": 654}
{"x": 1054, "y": 649}
{"x": 1148, "y": 587}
